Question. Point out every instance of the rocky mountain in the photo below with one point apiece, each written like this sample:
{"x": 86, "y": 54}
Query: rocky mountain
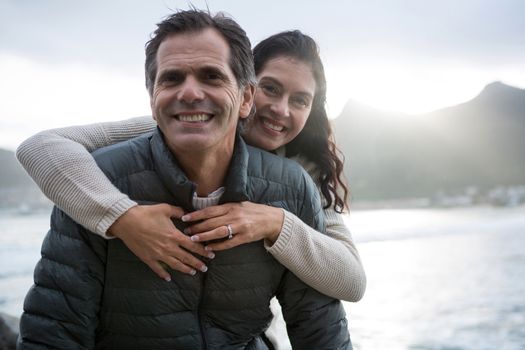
{"x": 479, "y": 143}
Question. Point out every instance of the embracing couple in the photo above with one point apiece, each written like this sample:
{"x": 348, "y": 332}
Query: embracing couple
{"x": 203, "y": 195}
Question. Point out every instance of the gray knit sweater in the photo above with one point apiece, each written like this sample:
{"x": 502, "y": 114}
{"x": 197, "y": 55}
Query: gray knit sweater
{"x": 60, "y": 162}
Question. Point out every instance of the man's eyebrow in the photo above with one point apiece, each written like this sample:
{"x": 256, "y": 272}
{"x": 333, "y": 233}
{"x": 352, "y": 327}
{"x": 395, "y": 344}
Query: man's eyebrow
{"x": 169, "y": 72}
{"x": 213, "y": 69}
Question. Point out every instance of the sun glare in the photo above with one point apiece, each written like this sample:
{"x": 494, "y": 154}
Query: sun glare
{"x": 40, "y": 97}
{"x": 408, "y": 89}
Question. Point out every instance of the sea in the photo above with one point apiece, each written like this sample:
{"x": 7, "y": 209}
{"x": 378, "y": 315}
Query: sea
{"x": 438, "y": 279}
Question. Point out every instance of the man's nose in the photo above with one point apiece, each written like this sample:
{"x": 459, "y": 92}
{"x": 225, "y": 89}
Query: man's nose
{"x": 190, "y": 91}
{"x": 280, "y": 107}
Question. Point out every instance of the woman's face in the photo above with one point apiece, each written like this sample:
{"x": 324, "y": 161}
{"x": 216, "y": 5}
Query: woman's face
{"x": 283, "y": 103}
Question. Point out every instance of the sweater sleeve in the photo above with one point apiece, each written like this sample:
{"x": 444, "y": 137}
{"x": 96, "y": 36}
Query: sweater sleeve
{"x": 328, "y": 262}
{"x": 313, "y": 320}
{"x": 59, "y": 162}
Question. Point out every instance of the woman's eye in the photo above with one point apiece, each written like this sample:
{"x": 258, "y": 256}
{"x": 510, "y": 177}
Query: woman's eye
{"x": 301, "y": 102}
{"x": 270, "y": 89}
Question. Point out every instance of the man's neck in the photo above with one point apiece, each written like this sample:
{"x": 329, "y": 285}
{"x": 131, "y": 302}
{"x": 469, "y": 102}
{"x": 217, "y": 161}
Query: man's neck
{"x": 207, "y": 170}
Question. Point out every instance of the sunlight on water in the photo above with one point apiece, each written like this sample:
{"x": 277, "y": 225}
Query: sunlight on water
{"x": 441, "y": 279}
{"x": 20, "y": 240}
{"x": 437, "y": 279}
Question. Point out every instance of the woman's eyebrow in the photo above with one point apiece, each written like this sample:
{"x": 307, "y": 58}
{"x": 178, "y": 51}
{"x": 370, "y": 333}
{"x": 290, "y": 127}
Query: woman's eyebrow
{"x": 272, "y": 80}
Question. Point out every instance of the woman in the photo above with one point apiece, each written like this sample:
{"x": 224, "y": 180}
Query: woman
{"x": 290, "y": 119}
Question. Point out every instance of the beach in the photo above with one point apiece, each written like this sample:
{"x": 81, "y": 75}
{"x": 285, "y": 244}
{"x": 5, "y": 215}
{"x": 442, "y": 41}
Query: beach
{"x": 438, "y": 279}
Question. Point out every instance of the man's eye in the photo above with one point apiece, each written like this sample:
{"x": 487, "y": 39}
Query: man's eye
{"x": 213, "y": 76}
{"x": 171, "y": 79}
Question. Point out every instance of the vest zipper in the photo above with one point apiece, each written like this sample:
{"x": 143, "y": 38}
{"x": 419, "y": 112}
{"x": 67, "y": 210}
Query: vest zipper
{"x": 201, "y": 297}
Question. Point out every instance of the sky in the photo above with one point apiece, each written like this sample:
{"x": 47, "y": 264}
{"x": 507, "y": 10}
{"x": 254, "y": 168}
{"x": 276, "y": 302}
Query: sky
{"x": 66, "y": 62}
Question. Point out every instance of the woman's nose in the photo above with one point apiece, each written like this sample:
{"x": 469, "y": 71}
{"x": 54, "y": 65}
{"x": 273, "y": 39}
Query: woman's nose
{"x": 280, "y": 108}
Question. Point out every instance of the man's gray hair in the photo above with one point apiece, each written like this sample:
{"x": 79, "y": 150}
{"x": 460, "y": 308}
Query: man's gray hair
{"x": 194, "y": 20}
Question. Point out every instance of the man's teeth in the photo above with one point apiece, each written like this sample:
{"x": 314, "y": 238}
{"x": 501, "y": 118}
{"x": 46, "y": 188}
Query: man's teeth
{"x": 194, "y": 118}
{"x": 273, "y": 126}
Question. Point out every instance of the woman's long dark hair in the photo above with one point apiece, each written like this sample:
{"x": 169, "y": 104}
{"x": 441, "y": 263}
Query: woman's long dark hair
{"x": 316, "y": 141}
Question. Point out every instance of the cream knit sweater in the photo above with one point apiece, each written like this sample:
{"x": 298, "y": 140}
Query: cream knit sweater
{"x": 59, "y": 161}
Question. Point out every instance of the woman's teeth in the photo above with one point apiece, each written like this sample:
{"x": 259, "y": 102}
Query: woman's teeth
{"x": 273, "y": 126}
{"x": 194, "y": 118}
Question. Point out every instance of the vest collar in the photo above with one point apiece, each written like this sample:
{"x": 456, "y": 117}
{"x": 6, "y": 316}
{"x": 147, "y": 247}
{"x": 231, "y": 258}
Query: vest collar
{"x": 182, "y": 189}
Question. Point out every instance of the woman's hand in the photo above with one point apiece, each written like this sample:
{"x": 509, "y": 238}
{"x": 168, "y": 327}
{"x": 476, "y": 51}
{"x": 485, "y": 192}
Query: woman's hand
{"x": 249, "y": 222}
{"x": 147, "y": 230}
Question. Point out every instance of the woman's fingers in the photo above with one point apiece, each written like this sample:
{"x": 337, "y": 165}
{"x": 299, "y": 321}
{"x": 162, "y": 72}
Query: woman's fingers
{"x": 186, "y": 263}
{"x": 206, "y": 213}
{"x": 181, "y": 261}
{"x": 177, "y": 254}
{"x": 210, "y": 224}
{"x": 229, "y": 243}
{"x": 214, "y": 217}
{"x": 250, "y": 221}
{"x": 159, "y": 270}
{"x": 192, "y": 246}
{"x": 148, "y": 231}
{"x": 218, "y": 233}
{"x": 173, "y": 211}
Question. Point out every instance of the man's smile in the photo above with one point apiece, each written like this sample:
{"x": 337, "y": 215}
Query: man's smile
{"x": 193, "y": 118}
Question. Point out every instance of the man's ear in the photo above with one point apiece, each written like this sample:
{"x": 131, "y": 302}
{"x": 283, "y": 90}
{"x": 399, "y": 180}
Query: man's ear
{"x": 152, "y": 109}
{"x": 247, "y": 101}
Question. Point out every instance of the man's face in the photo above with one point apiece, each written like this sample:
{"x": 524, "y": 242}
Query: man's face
{"x": 196, "y": 100}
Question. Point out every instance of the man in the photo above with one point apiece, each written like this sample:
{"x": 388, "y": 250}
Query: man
{"x": 90, "y": 292}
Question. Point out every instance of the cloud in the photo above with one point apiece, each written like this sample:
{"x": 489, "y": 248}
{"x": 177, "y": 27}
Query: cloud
{"x": 104, "y": 31}
{"x": 87, "y": 51}
{"x": 91, "y": 32}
